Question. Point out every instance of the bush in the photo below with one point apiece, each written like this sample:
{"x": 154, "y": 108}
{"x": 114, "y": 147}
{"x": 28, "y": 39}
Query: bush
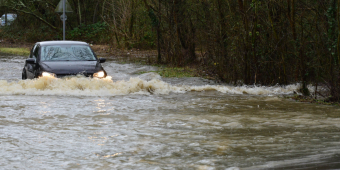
{"x": 95, "y": 33}
{"x": 15, "y": 33}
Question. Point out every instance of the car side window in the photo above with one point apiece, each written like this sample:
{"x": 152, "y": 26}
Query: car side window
{"x": 36, "y": 52}
{"x": 32, "y": 51}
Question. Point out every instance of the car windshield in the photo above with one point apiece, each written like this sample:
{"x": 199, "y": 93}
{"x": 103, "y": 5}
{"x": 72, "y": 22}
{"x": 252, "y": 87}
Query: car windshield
{"x": 66, "y": 52}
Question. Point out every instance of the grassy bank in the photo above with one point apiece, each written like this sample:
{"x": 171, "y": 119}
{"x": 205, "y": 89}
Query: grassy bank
{"x": 15, "y": 51}
{"x": 165, "y": 70}
{"x": 309, "y": 99}
{"x": 175, "y": 72}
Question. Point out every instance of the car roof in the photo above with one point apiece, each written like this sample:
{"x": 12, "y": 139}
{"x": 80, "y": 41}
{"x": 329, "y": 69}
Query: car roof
{"x": 9, "y": 14}
{"x": 46, "y": 43}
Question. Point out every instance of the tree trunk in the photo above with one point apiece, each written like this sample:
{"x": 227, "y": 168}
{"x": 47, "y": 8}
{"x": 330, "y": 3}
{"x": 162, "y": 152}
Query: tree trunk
{"x": 79, "y": 13}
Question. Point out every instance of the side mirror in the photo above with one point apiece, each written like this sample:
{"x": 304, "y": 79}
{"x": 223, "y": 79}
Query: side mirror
{"x": 30, "y": 61}
{"x": 102, "y": 60}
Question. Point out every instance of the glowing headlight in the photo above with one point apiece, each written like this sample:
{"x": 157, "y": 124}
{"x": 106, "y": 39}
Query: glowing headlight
{"x": 99, "y": 74}
{"x": 47, "y": 74}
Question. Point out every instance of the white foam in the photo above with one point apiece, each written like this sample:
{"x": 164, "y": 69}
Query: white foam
{"x": 82, "y": 86}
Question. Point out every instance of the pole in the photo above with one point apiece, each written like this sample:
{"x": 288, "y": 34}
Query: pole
{"x": 64, "y": 19}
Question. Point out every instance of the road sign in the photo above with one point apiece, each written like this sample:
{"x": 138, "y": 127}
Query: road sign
{"x": 59, "y": 8}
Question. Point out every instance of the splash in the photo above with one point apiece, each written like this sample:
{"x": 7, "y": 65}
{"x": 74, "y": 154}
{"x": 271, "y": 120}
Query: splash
{"x": 82, "y": 86}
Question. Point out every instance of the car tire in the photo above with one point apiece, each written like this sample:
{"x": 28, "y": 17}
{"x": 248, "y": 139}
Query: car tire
{"x": 24, "y": 75}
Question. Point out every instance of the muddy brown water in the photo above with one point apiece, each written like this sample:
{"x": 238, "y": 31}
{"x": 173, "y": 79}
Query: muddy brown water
{"x": 132, "y": 121}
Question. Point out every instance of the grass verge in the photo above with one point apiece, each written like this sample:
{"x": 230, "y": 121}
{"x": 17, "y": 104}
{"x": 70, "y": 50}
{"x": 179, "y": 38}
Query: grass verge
{"x": 165, "y": 70}
{"x": 16, "y": 51}
{"x": 306, "y": 99}
{"x": 175, "y": 72}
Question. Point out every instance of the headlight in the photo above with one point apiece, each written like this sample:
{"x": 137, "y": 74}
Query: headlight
{"x": 99, "y": 74}
{"x": 47, "y": 74}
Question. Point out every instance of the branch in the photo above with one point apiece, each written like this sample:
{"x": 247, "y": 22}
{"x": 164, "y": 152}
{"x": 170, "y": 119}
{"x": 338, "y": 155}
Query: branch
{"x": 36, "y": 16}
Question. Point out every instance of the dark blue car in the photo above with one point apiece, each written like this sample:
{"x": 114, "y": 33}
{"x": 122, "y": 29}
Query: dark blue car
{"x": 62, "y": 58}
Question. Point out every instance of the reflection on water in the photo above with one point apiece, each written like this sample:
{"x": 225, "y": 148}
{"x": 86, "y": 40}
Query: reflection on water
{"x": 142, "y": 123}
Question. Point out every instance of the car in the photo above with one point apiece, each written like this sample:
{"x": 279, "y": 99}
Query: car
{"x": 62, "y": 58}
{"x": 10, "y": 19}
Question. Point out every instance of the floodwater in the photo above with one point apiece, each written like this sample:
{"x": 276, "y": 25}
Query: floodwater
{"x": 133, "y": 121}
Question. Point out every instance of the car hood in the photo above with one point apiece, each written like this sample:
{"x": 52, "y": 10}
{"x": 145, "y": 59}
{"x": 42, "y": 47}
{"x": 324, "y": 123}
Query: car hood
{"x": 70, "y": 67}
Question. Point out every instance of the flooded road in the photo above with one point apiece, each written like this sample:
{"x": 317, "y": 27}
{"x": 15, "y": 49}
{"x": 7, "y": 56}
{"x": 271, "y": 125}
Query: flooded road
{"x": 148, "y": 122}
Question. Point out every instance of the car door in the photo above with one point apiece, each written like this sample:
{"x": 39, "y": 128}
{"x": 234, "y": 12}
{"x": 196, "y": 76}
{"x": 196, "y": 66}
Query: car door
{"x": 31, "y": 68}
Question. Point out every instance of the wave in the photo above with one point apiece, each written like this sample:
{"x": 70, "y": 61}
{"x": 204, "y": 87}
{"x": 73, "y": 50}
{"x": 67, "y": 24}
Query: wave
{"x": 82, "y": 86}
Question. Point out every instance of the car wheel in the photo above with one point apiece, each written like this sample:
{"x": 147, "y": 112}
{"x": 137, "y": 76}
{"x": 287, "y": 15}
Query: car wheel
{"x": 24, "y": 75}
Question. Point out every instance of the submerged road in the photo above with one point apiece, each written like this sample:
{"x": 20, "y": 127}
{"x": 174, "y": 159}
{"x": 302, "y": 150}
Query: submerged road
{"x": 133, "y": 121}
